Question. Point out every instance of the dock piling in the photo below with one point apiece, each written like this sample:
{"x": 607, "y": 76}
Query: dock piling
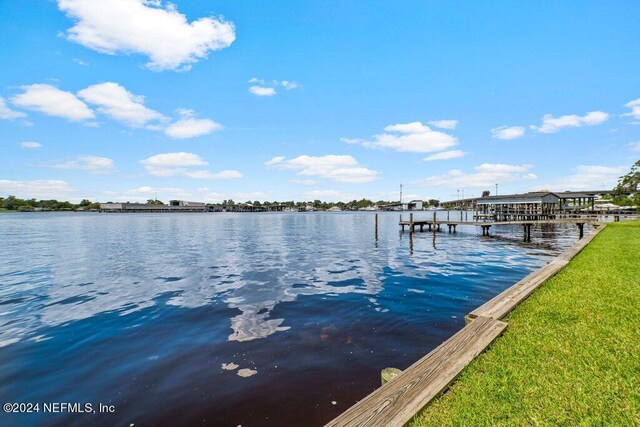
{"x": 376, "y": 220}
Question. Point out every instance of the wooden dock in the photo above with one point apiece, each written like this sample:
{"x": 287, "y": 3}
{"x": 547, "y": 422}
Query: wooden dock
{"x": 435, "y": 224}
{"x": 397, "y": 401}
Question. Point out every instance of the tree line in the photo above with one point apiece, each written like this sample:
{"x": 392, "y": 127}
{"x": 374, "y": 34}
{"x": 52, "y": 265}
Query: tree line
{"x": 13, "y": 203}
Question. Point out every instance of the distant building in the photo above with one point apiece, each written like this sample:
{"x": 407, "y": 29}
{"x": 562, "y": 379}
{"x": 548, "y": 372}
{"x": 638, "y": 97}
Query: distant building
{"x": 173, "y": 206}
{"x": 415, "y": 205}
{"x": 185, "y": 203}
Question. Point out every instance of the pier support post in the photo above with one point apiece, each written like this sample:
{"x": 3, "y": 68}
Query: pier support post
{"x": 581, "y": 229}
{"x": 389, "y": 374}
{"x": 376, "y": 226}
{"x": 454, "y": 228}
{"x": 421, "y": 227}
{"x": 411, "y": 226}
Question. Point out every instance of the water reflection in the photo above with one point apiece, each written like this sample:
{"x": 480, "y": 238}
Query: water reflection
{"x": 241, "y": 286}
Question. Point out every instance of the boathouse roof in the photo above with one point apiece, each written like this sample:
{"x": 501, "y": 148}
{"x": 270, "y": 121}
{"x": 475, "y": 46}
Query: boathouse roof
{"x": 531, "y": 197}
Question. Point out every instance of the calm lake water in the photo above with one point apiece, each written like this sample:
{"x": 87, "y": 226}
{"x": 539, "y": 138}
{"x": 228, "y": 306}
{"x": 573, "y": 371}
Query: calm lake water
{"x": 140, "y": 311}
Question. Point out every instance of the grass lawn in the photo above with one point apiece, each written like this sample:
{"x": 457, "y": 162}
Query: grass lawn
{"x": 571, "y": 353}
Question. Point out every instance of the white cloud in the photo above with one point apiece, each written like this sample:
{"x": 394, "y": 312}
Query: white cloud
{"x": 412, "y": 137}
{"x": 52, "y": 101}
{"x": 352, "y": 141}
{"x": 261, "y": 87}
{"x": 118, "y": 103}
{"x": 7, "y": 113}
{"x": 445, "y": 155}
{"x": 80, "y": 62}
{"x": 40, "y": 189}
{"x": 635, "y": 109}
{"x": 330, "y": 196}
{"x": 275, "y": 160}
{"x": 174, "y": 159}
{"x": 589, "y": 177}
{"x": 190, "y": 127}
{"x": 204, "y": 174}
{"x": 307, "y": 182}
{"x": 335, "y": 167}
{"x": 634, "y": 146}
{"x": 444, "y": 124}
{"x": 486, "y": 175}
{"x": 288, "y": 85}
{"x": 262, "y": 91}
{"x": 30, "y": 144}
{"x": 93, "y": 164}
{"x": 552, "y": 124}
{"x": 254, "y": 195}
{"x": 143, "y": 26}
{"x": 173, "y": 164}
{"x": 507, "y": 132}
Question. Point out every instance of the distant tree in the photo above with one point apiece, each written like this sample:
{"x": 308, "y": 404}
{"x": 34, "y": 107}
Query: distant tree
{"x": 154, "y": 202}
{"x": 628, "y": 183}
{"x": 434, "y": 202}
{"x": 626, "y": 193}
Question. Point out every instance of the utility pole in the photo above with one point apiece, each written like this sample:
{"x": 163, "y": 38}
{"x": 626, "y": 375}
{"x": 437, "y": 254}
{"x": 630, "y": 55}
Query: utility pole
{"x": 401, "y": 195}
{"x": 496, "y": 189}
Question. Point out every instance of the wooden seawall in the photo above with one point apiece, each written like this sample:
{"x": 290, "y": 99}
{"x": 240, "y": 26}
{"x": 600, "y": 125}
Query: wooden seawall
{"x": 396, "y": 402}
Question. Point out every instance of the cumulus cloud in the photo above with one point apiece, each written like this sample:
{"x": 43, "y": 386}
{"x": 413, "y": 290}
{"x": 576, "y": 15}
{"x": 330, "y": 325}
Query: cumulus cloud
{"x": 118, "y": 103}
{"x": 52, "y": 101}
{"x": 445, "y": 155}
{"x": 338, "y": 168}
{"x": 262, "y": 90}
{"x": 7, "y": 113}
{"x": 486, "y": 175}
{"x": 146, "y": 27}
{"x": 507, "y": 132}
{"x": 92, "y": 164}
{"x": 190, "y": 127}
{"x": 635, "y": 109}
{"x": 30, "y": 144}
{"x": 329, "y": 195}
{"x": 261, "y": 87}
{"x": 589, "y": 177}
{"x": 552, "y": 124}
{"x": 444, "y": 124}
{"x": 40, "y": 189}
{"x": 412, "y": 137}
{"x": 307, "y": 182}
{"x": 173, "y": 164}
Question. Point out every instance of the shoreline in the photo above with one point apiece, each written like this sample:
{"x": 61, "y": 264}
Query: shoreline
{"x": 413, "y": 390}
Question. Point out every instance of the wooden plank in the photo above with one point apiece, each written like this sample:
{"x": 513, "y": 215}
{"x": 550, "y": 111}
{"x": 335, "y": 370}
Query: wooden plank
{"x": 398, "y": 401}
{"x": 502, "y": 304}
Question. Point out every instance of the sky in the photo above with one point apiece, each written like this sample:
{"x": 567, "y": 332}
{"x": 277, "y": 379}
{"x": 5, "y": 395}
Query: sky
{"x": 129, "y": 100}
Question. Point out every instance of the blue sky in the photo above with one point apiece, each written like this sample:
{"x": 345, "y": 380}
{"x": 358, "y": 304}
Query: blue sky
{"x": 129, "y": 99}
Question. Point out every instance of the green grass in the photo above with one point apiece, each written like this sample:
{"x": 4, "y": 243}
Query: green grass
{"x": 571, "y": 353}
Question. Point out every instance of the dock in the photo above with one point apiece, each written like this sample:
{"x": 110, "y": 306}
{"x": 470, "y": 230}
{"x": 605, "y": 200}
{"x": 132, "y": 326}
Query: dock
{"x": 435, "y": 224}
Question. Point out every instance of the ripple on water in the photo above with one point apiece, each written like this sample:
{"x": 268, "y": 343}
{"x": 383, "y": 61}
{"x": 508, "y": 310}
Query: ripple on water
{"x": 144, "y": 310}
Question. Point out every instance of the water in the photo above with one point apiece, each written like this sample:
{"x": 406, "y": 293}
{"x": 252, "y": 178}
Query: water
{"x": 140, "y": 311}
